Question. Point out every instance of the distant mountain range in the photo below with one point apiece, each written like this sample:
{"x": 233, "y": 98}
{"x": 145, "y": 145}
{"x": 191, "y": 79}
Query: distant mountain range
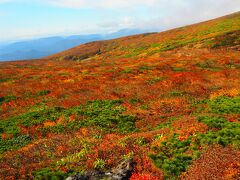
{"x": 38, "y": 48}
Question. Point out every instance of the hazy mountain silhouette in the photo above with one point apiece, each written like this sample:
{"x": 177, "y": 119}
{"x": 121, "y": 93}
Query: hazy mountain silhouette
{"x": 38, "y": 48}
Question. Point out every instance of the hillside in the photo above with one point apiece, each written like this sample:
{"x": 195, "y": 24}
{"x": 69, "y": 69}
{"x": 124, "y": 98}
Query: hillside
{"x": 168, "y": 101}
{"x": 213, "y": 34}
{"x": 38, "y": 48}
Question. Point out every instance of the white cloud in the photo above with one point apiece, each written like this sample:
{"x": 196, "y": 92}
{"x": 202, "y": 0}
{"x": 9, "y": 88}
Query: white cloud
{"x": 119, "y": 14}
{"x": 162, "y": 14}
{"x": 163, "y": 4}
{"x": 165, "y": 14}
{"x": 125, "y": 22}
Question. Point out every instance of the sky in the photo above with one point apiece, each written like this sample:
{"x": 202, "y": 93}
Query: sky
{"x": 25, "y": 19}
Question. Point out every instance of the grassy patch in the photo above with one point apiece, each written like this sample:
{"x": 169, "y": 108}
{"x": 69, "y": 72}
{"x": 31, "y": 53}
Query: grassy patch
{"x": 38, "y": 117}
{"x": 172, "y": 156}
{"x": 14, "y": 143}
{"x": 167, "y": 124}
{"x": 145, "y": 68}
{"x": 155, "y": 45}
{"x": 228, "y": 39}
{"x": 226, "y": 133}
{"x": 225, "y": 105}
{"x": 7, "y": 99}
{"x": 135, "y": 101}
{"x": 176, "y": 93}
{"x": 48, "y": 173}
{"x": 213, "y": 122}
{"x": 5, "y": 80}
{"x": 156, "y": 80}
{"x": 107, "y": 115}
{"x": 126, "y": 71}
{"x": 99, "y": 164}
{"x": 141, "y": 141}
{"x": 144, "y": 107}
{"x": 43, "y": 93}
{"x": 178, "y": 69}
{"x": 11, "y": 126}
{"x": 209, "y": 65}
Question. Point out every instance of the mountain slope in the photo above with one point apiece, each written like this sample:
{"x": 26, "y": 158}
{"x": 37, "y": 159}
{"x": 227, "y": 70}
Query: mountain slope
{"x": 169, "y": 102}
{"x": 202, "y": 35}
{"x": 39, "y": 48}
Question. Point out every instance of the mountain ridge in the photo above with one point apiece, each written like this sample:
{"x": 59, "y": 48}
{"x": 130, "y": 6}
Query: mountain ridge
{"x": 38, "y": 48}
{"x": 179, "y": 39}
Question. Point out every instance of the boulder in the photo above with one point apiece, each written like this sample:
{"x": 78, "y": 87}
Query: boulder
{"x": 121, "y": 172}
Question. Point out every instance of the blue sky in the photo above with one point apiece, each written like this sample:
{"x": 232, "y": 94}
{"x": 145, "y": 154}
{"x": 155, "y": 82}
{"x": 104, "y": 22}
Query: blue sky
{"x": 24, "y": 19}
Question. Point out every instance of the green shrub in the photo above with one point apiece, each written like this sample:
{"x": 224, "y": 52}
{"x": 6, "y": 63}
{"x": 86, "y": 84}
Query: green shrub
{"x": 7, "y": 99}
{"x": 43, "y": 93}
{"x": 105, "y": 114}
{"x": 208, "y": 64}
{"x": 99, "y": 164}
{"x": 59, "y": 128}
{"x": 155, "y": 80}
{"x": 227, "y": 39}
{"x": 225, "y": 105}
{"x": 48, "y": 173}
{"x": 141, "y": 141}
{"x": 135, "y": 101}
{"x": 38, "y": 117}
{"x": 145, "y": 68}
{"x": 169, "y": 47}
{"x": 167, "y": 124}
{"x": 178, "y": 69}
{"x": 126, "y": 71}
{"x": 154, "y": 45}
{"x": 9, "y": 126}
{"x": 176, "y": 93}
{"x": 5, "y": 79}
{"x": 14, "y": 143}
{"x": 213, "y": 121}
{"x": 145, "y": 107}
{"x": 228, "y": 133}
{"x": 171, "y": 156}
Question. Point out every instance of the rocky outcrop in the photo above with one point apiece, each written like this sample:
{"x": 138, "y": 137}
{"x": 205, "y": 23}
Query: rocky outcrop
{"x": 122, "y": 172}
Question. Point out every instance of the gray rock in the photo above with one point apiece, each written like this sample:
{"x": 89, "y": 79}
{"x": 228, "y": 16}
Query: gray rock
{"x": 122, "y": 172}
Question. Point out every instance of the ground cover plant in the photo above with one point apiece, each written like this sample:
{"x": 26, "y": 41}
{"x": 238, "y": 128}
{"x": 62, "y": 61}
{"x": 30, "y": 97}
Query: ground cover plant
{"x": 169, "y": 101}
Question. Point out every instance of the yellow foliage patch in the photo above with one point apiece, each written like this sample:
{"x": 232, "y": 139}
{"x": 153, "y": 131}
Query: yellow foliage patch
{"x": 225, "y": 92}
{"x": 49, "y": 124}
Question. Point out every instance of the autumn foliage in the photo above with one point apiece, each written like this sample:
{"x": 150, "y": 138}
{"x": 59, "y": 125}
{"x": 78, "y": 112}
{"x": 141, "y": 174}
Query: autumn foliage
{"x": 169, "y": 101}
